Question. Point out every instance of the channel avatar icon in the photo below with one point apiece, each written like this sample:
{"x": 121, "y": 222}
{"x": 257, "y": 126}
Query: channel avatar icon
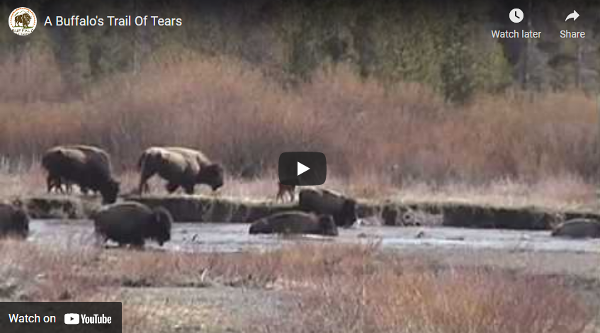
{"x": 22, "y": 21}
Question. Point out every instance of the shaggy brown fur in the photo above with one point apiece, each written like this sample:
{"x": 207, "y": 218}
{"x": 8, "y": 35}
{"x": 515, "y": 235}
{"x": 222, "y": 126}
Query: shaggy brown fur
{"x": 326, "y": 202}
{"x": 14, "y": 221}
{"x": 295, "y": 223}
{"x": 88, "y": 167}
{"x": 578, "y": 228}
{"x": 180, "y": 167}
{"x": 283, "y": 189}
{"x": 132, "y": 223}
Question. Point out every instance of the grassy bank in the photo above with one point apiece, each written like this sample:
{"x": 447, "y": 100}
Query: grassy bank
{"x": 559, "y": 192}
{"x": 501, "y": 204}
{"x": 335, "y": 288}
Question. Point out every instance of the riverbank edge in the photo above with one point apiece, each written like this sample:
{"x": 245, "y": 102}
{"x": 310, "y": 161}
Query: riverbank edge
{"x": 199, "y": 208}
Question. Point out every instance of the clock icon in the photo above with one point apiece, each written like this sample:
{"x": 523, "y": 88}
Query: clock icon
{"x": 516, "y": 15}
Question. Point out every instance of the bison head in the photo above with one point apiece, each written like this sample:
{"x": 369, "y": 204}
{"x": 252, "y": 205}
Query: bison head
{"x": 110, "y": 191}
{"x": 211, "y": 175}
{"x": 20, "y": 223}
{"x": 327, "y": 225}
{"x": 260, "y": 227}
{"x": 348, "y": 212}
{"x": 160, "y": 229}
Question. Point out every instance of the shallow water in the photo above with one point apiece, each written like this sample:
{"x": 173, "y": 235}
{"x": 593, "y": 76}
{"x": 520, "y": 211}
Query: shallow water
{"x": 227, "y": 237}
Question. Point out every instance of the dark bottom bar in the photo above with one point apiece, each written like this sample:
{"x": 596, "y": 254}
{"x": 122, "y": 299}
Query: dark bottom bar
{"x": 58, "y": 317}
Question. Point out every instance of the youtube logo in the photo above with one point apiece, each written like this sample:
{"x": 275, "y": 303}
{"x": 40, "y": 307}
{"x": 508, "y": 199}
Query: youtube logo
{"x": 302, "y": 168}
{"x": 71, "y": 319}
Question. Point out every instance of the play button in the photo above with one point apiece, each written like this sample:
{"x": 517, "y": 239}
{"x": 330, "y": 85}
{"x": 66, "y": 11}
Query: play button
{"x": 302, "y": 168}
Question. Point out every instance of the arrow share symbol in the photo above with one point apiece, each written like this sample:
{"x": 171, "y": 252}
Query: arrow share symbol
{"x": 574, "y": 15}
{"x": 301, "y": 168}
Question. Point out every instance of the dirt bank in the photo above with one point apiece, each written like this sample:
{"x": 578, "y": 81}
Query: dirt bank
{"x": 394, "y": 213}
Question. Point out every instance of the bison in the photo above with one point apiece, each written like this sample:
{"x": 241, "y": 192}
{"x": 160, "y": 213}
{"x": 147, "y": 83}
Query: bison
{"x": 578, "y": 228}
{"x": 180, "y": 167}
{"x": 132, "y": 223}
{"x": 87, "y": 166}
{"x": 24, "y": 19}
{"x": 295, "y": 222}
{"x": 14, "y": 221}
{"x": 283, "y": 189}
{"x": 321, "y": 201}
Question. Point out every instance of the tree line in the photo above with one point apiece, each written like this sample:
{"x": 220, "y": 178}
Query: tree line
{"x": 445, "y": 45}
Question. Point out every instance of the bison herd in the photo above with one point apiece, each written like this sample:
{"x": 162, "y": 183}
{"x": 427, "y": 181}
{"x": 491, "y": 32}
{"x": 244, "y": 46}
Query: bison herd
{"x": 320, "y": 212}
{"x": 90, "y": 169}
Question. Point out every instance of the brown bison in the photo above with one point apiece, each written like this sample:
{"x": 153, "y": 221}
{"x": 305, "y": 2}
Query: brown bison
{"x": 180, "y": 167}
{"x": 24, "y": 19}
{"x": 88, "y": 167}
{"x": 283, "y": 189}
{"x": 295, "y": 223}
{"x": 326, "y": 202}
{"x": 132, "y": 223}
{"x": 14, "y": 221}
{"x": 578, "y": 228}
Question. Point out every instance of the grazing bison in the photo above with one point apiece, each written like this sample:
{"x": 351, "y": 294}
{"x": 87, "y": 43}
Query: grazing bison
{"x": 326, "y": 202}
{"x": 14, "y": 221}
{"x": 89, "y": 167}
{"x": 295, "y": 223}
{"x": 578, "y": 228}
{"x": 283, "y": 190}
{"x": 132, "y": 223}
{"x": 180, "y": 167}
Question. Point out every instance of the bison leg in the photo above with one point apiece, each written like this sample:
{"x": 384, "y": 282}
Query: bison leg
{"x": 189, "y": 189}
{"x": 171, "y": 187}
{"x": 69, "y": 187}
{"x": 49, "y": 183}
{"x": 137, "y": 243}
{"x": 143, "y": 186}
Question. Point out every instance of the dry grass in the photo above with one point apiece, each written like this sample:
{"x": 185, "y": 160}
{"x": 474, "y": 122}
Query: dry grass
{"x": 559, "y": 192}
{"x": 345, "y": 288}
{"x": 397, "y": 134}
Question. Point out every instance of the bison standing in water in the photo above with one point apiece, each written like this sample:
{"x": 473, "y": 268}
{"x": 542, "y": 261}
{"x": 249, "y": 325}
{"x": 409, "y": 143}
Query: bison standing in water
{"x": 89, "y": 167}
{"x": 326, "y": 202}
{"x": 578, "y": 228}
{"x": 180, "y": 167}
{"x": 295, "y": 223}
{"x": 132, "y": 223}
{"x": 14, "y": 221}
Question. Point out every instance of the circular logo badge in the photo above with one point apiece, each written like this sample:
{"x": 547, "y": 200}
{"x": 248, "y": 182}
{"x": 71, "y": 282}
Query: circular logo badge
{"x": 22, "y": 21}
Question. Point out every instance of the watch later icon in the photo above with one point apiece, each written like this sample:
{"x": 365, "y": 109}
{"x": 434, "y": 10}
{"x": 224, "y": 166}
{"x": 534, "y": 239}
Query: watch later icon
{"x": 516, "y": 15}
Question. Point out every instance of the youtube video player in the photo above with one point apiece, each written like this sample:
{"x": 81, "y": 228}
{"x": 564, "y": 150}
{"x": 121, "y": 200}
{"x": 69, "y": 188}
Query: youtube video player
{"x": 296, "y": 166}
